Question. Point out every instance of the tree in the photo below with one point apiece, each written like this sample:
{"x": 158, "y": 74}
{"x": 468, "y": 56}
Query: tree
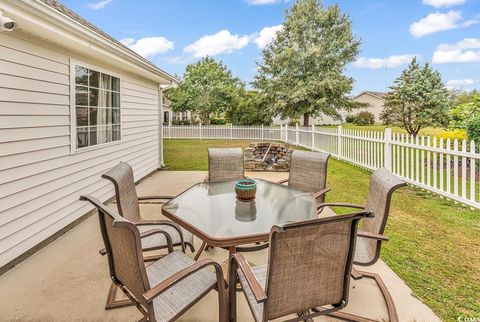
{"x": 207, "y": 88}
{"x": 301, "y": 73}
{"x": 417, "y": 99}
{"x": 465, "y": 107}
{"x": 249, "y": 110}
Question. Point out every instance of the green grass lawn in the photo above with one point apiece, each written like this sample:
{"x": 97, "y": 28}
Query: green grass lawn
{"x": 434, "y": 244}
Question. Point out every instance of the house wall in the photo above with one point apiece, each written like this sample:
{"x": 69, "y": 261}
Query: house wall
{"x": 40, "y": 180}
{"x": 376, "y": 105}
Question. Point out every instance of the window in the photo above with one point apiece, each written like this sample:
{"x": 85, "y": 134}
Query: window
{"x": 97, "y": 107}
{"x": 165, "y": 117}
{"x": 184, "y": 116}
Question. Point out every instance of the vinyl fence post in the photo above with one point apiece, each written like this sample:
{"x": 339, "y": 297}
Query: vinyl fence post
{"x": 313, "y": 137}
{"x": 296, "y": 133}
{"x": 339, "y": 141}
{"x": 388, "y": 149}
{"x": 231, "y": 131}
{"x": 263, "y": 136}
{"x": 200, "y": 130}
{"x": 281, "y": 132}
{"x": 286, "y": 133}
{"x": 169, "y": 131}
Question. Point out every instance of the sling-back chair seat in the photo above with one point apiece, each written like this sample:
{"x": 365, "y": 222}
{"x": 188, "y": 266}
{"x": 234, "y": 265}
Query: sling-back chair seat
{"x": 225, "y": 164}
{"x": 260, "y": 273}
{"x": 159, "y": 241}
{"x": 176, "y": 299}
{"x": 128, "y": 204}
{"x": 308, "y": 269}
{"x": 168, "y": 287}
{"x": 308, "y": 172}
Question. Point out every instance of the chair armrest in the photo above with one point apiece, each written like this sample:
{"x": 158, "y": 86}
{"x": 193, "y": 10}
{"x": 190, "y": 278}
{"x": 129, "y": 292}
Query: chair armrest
{"x": 320, "y": 193}
{"x": 145, "y": 198}
{"x": 166, "y": 223}
{"x": 282, "y": 181}
{"x": 158, "y": 289}
{"x": 366, "y": 234}
{"x": 339, "y": 204}
{"x": 162, "y": 232}
{"x": 255, "y": 286}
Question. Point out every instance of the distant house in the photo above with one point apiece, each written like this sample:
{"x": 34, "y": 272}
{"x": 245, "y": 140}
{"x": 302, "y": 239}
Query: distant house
{"x": 375, "y": 101}
{"x": 73, "y": 103}
{"x": 170, "y": 116}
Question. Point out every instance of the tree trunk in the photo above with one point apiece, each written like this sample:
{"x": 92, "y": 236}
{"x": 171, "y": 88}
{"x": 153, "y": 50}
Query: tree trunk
{"x": 306, "y": 117}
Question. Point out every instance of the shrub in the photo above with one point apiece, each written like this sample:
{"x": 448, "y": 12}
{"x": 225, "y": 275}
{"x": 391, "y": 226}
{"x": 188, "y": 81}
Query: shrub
{"x": 473, "y": 129}
{"x": 454, "y": 134}
{"x": 349, "y": 118}
{"x": 218, "y": 121}
{"x": 181, "y": 122}
{"x": 364, "y": 118}
{"x": 293, "y": 122}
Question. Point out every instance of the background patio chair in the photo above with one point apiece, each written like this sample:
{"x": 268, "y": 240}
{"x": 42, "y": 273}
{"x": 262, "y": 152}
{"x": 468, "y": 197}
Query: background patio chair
{"x": 128, "y": 204}
{"x": 370, "y": 236}
{"x": 168, "y": 287}
{"x": 225, "y": 164}
{"x": 308, "y": 267}
{"x": 308, "y": 172}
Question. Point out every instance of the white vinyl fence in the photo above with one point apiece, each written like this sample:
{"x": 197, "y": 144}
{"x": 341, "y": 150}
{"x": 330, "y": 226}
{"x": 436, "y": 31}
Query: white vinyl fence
{"x": 448, "y": 168}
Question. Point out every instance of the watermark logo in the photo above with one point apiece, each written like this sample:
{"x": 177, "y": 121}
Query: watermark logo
{"x": 468, "y": 319}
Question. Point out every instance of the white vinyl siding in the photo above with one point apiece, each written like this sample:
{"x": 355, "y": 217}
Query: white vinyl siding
{"x": 40, "y": 180}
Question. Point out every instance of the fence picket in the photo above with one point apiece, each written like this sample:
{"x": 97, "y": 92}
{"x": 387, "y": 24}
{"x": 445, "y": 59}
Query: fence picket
{"x": 442, "y": 182}
{"x": 464, "y": 170}
{"x": 472, "y": 172}
{"x": 455, "y": 168}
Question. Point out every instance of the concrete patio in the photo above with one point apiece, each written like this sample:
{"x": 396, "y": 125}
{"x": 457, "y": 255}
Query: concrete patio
{"x": 68, "y": 280}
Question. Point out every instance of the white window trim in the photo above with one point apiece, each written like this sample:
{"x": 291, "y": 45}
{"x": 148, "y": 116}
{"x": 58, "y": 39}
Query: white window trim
{"x": 73, "y": 119}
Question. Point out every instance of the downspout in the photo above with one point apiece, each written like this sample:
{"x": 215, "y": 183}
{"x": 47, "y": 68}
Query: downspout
{"x": 161, "y": 88}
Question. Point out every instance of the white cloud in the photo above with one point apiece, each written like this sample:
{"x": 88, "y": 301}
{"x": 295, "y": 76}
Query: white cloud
{"x": 261, "y": 2}
{"x": 455, "y": 56}
{"x": 219, "y": 43}
{"x": 149, "y": 46}
{"x": 266, "y": 35}
{"x": 443, "y": 3}
{"x": 464, "y": 51}
{"x": 460, "y": 83}
{"x": 467, "y": 43}
{"x": 391, "y": 61}
{"x": 437, "y": 21}
{"x": 99, "y": 5}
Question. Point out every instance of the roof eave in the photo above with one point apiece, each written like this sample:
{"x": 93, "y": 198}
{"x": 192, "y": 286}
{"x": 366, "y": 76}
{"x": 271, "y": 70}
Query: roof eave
{"x": 60, "y": 20}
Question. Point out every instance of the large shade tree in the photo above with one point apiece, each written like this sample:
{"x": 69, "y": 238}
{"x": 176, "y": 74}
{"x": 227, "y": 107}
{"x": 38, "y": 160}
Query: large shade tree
{"x": 302, "y": 70}
{"x": 207, "y": 88}
{"x": 250, "y": 109}
{"x": 417, "y": 99}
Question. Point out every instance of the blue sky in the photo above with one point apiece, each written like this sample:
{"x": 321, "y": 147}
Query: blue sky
{"x": 175, "y": 33}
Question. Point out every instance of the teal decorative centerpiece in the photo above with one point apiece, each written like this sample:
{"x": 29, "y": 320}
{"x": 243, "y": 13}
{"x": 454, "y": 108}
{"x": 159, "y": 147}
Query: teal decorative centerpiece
{"x": 245, "y": 189}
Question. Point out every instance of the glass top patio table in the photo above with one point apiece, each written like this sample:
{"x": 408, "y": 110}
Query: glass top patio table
{"x": 211, "y": 211}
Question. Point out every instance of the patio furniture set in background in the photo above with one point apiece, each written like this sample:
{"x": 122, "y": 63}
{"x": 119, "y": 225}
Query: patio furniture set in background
{"x": 310, "y": 256}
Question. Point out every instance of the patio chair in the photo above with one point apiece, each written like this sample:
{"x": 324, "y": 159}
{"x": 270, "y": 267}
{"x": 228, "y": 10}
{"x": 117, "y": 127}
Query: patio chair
{"x": 370, "y": 236}
{"x": 225, "y": 164}
{"x": 308, "y": 268}
{"x": 128, "y": 204}
{"x": 168, "y": 287}
{"x": 308, "y": 172}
